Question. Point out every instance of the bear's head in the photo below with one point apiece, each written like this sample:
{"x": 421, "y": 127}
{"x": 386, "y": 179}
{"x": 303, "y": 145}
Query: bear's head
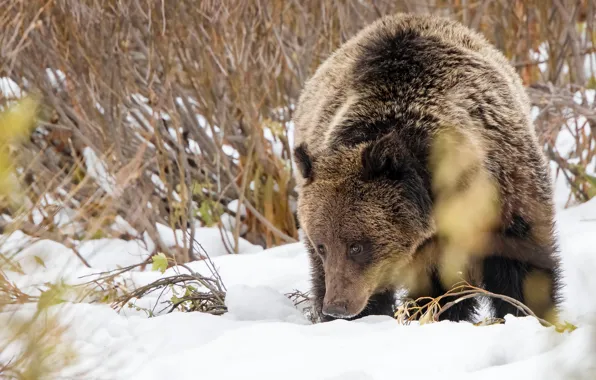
{"x": 365, "y": 209}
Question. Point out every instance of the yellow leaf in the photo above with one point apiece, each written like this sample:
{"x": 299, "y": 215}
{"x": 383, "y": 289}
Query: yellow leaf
{"x": 16, "y": 121}
{"x": 565, "y": 327}
{"x": 160, "y": 262}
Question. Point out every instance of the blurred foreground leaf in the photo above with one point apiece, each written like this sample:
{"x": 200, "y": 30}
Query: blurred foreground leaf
{"x": 54, "y": 295}
{"x": 15, "y": 124}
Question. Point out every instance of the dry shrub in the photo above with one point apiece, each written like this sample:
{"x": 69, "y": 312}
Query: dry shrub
{"x": 428, "y": 310}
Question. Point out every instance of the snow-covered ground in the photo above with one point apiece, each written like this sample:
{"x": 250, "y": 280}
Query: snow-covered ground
{"x": 263, "y": 336}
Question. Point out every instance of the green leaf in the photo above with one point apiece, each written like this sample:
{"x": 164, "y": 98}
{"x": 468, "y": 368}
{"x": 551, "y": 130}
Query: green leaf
{"x": 39, "y": 261}
{"x": 99, "y": 234}
{"x": 591, "y": 179}
{"x": 52, "y": 296}
{"x": 205, "y": 213}
{"x": 591, "y": 83}
{"x": 160, "y": 262}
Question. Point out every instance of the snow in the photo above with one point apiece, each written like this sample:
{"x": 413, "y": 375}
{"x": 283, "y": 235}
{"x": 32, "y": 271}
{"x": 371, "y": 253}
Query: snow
{"x": 185, "y": 346}
{"x": 209, "y": 240}
{"x": 263, "y": 336}
{"x": 103, "y": 253}
{"x": 233, "y": 206}
{"x": 577, "y": 227}
{"x": 229, "y": 221}
{"x": 56, "y": 77}
{"x": 9, "y": 88}
{"x": 97, "y": 169}
{"x": 261, "y": 303}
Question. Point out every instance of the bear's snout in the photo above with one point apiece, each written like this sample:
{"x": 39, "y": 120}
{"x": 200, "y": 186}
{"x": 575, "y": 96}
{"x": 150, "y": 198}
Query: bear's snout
{"x": 344, "y": 302}
{"x": 336, "y": 310}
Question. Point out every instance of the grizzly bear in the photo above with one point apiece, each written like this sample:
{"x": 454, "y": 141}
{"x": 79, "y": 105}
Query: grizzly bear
{"x": 365, "y": 125}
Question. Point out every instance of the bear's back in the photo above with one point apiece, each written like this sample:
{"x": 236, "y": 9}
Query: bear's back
{"x": 412, "y": 65}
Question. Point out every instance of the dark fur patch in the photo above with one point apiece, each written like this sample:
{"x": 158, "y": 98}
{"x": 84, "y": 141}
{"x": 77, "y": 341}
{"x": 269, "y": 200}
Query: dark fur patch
{"x": 378, "y": 160}
{"x": 355, "y": 130}
{"x": 389, "y": 158}
{"x": 390, "y": 56}
{"x": 417, "y": 189}
{"x": 379, "y": 304}
{"x": 506, "y": 277}
{"x": 406, "y": 61}
{"x": 518, "y": 228}
{"x": 304, "y": 162}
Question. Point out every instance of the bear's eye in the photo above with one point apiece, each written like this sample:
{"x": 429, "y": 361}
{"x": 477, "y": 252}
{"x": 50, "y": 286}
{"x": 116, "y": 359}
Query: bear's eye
{"x": 355, "y": 249}
{"x": 361, "y": 253}
{"x": 321, "y": 250}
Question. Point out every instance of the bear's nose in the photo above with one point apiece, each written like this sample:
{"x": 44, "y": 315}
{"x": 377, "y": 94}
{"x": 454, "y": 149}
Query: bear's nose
{"x": 336, "y": 310}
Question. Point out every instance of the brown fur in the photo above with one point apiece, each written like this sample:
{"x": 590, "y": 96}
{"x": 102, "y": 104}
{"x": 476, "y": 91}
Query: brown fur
{"x": 365, "y": 125}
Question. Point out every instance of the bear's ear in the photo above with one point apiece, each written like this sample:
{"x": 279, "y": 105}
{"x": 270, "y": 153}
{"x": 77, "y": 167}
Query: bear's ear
{"x": 304, "y": 162}
{"x": 381, "y": 158}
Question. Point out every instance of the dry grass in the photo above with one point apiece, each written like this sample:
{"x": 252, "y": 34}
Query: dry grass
{"x": 432, "y": 308}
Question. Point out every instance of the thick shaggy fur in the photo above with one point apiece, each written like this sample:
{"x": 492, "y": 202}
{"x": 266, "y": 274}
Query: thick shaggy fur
{"x": 365, "y": 124}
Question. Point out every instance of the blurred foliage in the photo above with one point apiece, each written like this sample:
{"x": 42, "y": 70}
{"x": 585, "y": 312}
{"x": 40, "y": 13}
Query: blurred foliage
{"x": 16, "y": 123}
{"x": 36, "y": 340}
